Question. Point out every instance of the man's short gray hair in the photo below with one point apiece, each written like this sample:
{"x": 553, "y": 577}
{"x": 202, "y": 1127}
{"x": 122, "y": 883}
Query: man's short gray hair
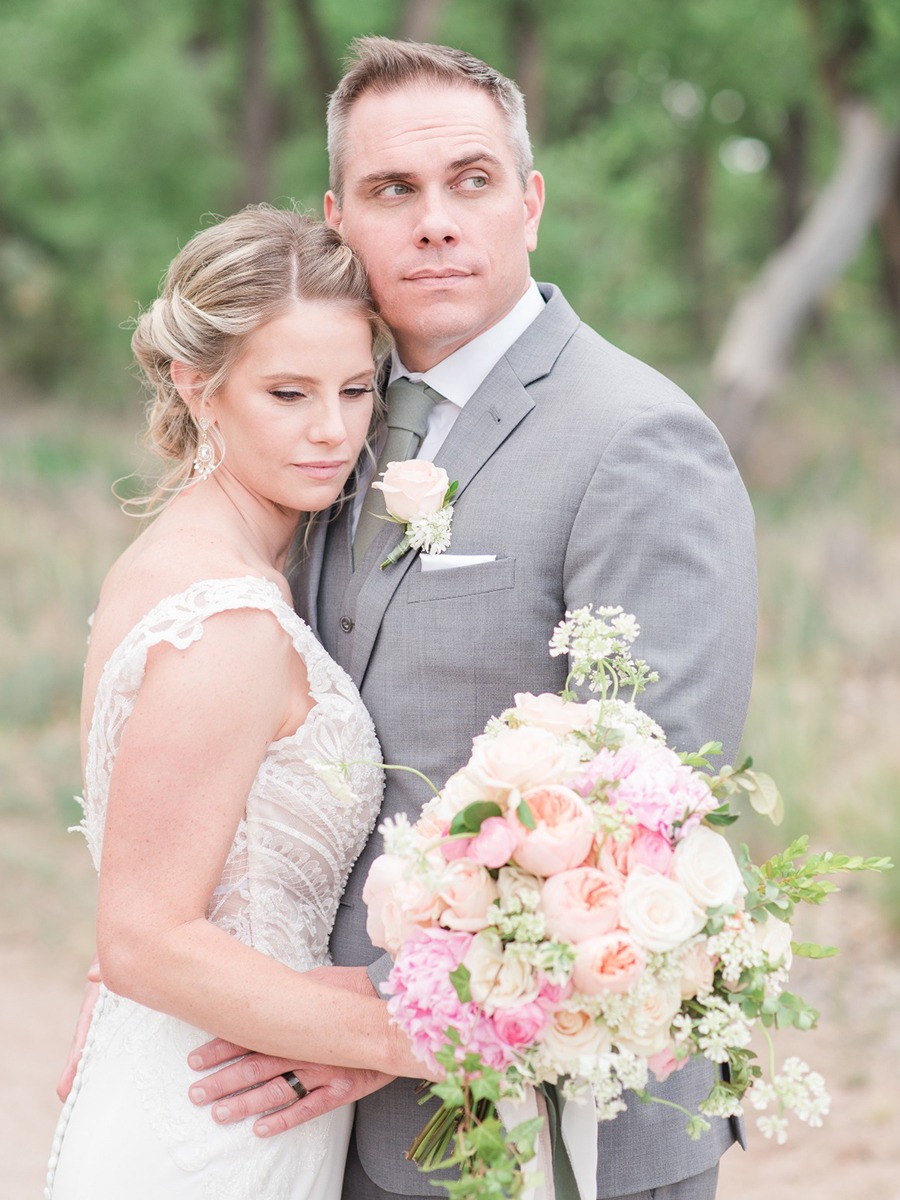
{"x": 380, "y": 64}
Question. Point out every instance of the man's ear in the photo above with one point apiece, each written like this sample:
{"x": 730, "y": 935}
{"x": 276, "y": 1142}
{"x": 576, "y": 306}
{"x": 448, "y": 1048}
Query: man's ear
{"x": 189, "y": 384}
{"x": 534, "y": 206}
{"x": 331, "y": 210}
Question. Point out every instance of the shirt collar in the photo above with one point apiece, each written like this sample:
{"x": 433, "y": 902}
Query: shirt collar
{"x": 458, "y": 376}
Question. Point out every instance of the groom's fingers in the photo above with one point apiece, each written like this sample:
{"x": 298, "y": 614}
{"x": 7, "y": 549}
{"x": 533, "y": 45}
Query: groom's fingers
{"x": 215, "y": 1054}
{"x": 342, "y": 1087}
{"x": 260, "y": 1072}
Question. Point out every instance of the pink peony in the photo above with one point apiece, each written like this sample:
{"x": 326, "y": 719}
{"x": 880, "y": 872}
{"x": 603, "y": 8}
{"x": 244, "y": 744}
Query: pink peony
{"x": 609, "y": 963}
{"x": 580, "y": 904}
{"x": 563, "y": 833}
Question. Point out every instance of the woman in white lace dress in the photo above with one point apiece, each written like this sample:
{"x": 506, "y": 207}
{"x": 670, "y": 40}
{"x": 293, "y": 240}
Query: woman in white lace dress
{"x": 222, "y": 851}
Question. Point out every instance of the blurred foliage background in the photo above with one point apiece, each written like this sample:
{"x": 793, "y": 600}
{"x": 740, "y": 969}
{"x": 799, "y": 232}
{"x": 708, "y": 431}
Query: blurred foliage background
{"x": 724, "y": 201}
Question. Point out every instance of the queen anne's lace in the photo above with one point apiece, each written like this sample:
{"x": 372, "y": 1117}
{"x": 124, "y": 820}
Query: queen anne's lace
{"x": 280, "y": 886}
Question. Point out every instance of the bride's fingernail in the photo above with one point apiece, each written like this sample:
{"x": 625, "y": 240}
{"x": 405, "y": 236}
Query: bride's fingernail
{"x": 195, "y": 1061}
{"x": 221, "y": 1112}
{"x": 197, "y": 1094}
{"x": 262, "y": 1131}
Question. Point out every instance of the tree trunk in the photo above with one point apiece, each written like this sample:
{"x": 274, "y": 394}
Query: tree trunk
{"x": 528, "y": 48}
{"x": 257, "y": 116}
{"x": 419, "y": 20}
{"x": 759, "y": 335}
{"x": 322, "y": 76}
{"x": 889, "y": 234}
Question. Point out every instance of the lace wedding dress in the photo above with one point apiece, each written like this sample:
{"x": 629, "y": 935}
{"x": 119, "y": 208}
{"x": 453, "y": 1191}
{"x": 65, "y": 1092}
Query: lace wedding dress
{"x": 128, "y": 1128}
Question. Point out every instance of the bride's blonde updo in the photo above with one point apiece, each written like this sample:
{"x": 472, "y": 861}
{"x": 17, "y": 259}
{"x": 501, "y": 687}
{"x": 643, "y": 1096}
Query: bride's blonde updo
{"x": 228, "y": 281}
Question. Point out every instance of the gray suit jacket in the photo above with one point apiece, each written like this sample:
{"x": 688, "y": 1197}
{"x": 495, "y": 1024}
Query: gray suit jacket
{"x": 592, "y": 479}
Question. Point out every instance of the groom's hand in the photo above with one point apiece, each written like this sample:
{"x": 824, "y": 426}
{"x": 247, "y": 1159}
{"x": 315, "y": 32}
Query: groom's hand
{"x": 255, "y": 1085}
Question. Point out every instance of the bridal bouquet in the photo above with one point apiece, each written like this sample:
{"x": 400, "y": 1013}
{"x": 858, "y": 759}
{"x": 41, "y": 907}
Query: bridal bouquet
{"x": 567, "y": 911}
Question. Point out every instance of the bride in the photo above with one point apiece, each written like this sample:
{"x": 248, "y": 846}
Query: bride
{"x": 222, "y": 849}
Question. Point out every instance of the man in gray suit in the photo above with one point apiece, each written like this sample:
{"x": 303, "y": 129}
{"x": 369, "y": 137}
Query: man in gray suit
{"x": 584, "y": 477}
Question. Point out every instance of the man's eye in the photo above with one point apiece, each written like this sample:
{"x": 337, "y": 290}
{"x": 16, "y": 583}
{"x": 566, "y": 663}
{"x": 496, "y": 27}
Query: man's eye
{"x": 395, "y": 189}
{"x": 474, "y": 183}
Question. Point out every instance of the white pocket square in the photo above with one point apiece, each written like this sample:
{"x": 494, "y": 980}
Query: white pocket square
{"x": 451, "y": 562}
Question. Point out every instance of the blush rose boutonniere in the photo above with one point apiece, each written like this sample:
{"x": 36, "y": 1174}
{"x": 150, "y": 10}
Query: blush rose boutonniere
{"x": 419, "y": 496}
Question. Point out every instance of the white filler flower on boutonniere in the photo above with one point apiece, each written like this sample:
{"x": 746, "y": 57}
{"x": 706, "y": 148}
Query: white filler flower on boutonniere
{"x": 419, "y": 496}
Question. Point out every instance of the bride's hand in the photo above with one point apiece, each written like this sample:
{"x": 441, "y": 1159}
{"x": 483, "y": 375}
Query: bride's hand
{"x": 82, "y": 1024}
{"x": 255, "y": 1085}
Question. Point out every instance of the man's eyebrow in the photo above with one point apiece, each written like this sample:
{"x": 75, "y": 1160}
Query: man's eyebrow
{"x": 458, "y": 164}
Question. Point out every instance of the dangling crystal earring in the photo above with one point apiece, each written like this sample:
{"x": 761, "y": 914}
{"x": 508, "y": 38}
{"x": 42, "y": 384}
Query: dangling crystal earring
{"x": 205, "y": 462}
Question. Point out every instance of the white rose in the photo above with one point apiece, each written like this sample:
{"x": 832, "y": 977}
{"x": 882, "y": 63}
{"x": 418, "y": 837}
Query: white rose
{"x": 498, "y": 980}
{"x": 571, "y": 1035}
{"x": 645, "y": 1030}
{"x": 705, "y": 866}
{"x": 518, "y": 890}
{"x": 456, "y": 794}
{"x": 413, "y": 488}
{"x": 657, "y": 911}
{"x": 774, "y": 938}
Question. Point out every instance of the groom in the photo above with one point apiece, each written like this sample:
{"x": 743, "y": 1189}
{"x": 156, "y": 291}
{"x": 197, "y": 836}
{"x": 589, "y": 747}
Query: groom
{"x": 584, "y": 477}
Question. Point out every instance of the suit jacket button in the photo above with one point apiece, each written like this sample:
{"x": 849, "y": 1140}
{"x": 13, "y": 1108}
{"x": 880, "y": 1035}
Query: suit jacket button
{"x": 346, "y": 624}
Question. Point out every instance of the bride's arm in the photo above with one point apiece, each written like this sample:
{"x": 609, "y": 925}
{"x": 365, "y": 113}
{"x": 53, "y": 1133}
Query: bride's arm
{"x": 200, "y": 728}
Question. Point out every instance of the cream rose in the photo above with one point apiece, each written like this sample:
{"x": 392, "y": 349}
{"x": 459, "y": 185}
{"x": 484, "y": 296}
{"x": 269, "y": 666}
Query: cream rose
{"x": 706, "y": 868}
{"x": 414, "y": 488}
{"x": 610, "y": 963}
{"x": 580, "y": 904}
{"x": 697, "y": 972}
{"x": 465, "y": 893}
{"x": 563, "y": 833}
{"x": 645, "y": 1030}
{"x": 572, "y": 1034}
{"x": 518, "y": 759}
{"x": 498, "y": 980}
{"x": 397, "y": 905}
{"x": 519, "y": 890}
{"x": 551, "y": 712}
{"x": 657, "y": 911}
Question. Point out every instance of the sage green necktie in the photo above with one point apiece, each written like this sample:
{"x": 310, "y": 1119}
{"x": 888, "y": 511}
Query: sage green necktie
{"x": 408, "y": 407}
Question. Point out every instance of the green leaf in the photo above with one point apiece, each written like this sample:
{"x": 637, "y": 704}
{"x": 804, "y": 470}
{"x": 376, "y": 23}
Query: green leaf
{"x": 470, "y": 819}
{"x": 460, "y": 978}
{"x": 525, "y": 815}
{"x": 813, "y": 950}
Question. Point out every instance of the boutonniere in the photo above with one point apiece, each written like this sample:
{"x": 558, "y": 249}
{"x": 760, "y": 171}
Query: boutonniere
{"x": 419, "y": 496}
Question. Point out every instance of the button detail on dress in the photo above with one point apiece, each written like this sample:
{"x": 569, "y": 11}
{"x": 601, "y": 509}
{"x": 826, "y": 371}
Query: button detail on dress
{"x": 346, "y": 624}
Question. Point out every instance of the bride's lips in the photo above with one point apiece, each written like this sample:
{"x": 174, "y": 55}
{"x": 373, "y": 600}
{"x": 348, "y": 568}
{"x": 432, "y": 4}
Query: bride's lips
{"x": 321, "y": 470}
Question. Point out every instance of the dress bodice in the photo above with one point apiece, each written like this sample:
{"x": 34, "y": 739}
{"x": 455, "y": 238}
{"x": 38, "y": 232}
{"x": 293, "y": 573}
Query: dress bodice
{"x": 303, "y": 827}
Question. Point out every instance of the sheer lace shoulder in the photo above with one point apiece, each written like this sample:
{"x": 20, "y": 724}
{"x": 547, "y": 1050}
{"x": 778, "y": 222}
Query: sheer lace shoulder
{"x": 298, "y": 839}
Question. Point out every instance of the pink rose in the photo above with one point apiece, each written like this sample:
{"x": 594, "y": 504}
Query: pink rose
{"x": 520, "y": 1026}
{"x": 465, "y": 893}
{"x": 414, "y": 488}
{"x": 580, "y": 904}
{"x": 494, "y": 843}
{"x": 563, "y": 833}
{"x": 664, "y": 1062}
{"x": 642, "y": 847}
{"x": 609, "y": 963}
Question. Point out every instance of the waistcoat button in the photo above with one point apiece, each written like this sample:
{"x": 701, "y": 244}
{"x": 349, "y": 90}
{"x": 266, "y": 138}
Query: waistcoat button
{"x": 346, "y": 624}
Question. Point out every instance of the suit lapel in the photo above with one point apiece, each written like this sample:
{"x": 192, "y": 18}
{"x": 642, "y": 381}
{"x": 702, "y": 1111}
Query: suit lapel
{"x": 499, "y": 405}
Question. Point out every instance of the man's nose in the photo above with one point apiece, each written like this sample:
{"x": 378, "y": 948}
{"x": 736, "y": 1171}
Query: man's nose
{"x": 436, "y": 225}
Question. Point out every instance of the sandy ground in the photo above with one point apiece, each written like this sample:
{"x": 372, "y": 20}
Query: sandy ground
{"x": 857, "y": 1047}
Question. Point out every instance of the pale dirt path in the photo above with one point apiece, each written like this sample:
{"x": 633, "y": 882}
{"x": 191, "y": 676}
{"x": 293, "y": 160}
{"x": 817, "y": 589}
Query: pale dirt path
{"x": 855, "y": 1156}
